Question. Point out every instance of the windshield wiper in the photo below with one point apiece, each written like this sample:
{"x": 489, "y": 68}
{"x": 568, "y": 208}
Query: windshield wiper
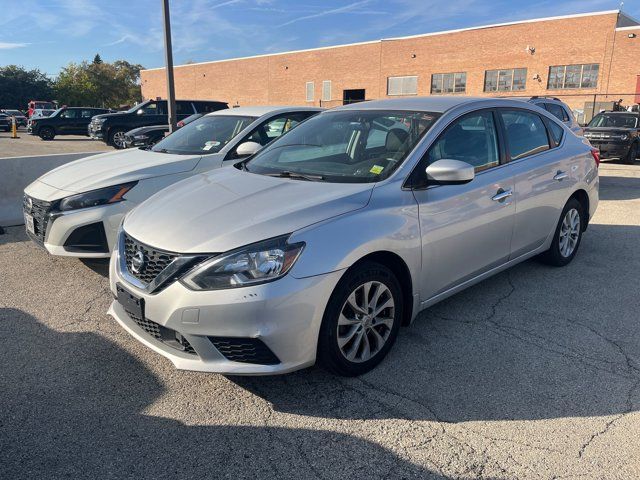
{"x": 296, "y": 176}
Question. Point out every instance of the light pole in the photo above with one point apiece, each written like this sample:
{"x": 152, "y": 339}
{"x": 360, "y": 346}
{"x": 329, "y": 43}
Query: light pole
{"x": 171, "y": 92}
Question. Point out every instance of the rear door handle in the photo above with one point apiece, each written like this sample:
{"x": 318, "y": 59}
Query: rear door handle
{"x": 560, "y": 175}
{"x": 502, "y": 195}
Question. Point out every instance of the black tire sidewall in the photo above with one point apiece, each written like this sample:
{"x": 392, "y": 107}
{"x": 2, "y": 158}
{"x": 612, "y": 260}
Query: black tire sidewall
{"x": 329, "y": 355}
{"x": 47, "y": 133}
{"x": 633, "y": 153}
{"x": 553, "y": 255}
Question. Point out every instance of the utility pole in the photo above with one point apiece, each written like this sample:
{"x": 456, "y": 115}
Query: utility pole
{"x": 171, "y": 92}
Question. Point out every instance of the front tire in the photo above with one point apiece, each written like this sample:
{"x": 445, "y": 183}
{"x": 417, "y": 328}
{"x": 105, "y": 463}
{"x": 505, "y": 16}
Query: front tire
{"x": 632, "y": 155}
{"x": 567, "y": 236}
{"x": 361, "y": 321}
{"x": 47, "y": 133}
{"x": 116, "y": 138}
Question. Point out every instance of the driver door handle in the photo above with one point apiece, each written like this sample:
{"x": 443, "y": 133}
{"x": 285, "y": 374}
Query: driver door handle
{"x": 502, "y": 195}
{"x": 560, "y": 175}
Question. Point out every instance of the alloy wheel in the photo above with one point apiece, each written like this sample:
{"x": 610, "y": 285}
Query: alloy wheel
{"x": 569, "y": 233}
{"x": 118, "y": 139}
{"x": 365, "y": 321}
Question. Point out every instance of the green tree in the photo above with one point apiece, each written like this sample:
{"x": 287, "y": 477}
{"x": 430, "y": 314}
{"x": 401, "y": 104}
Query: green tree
{"x": 18, "y": 86}
{"x": 99, "y": 84}
{"x": 97, "y": 58}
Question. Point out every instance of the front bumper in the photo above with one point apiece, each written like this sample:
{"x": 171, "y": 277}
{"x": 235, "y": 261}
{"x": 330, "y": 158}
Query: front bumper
{"x": 285, "y": 315}
{"x": 57, "y": 231}
{"x": 611, "y": 149}
{"x": 95, "y": 131}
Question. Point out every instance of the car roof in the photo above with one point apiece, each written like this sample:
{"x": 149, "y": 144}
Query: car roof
{"x": 625, "y": 112}
{"x": 263, "y": 110}
{"x": 435, "y": 103}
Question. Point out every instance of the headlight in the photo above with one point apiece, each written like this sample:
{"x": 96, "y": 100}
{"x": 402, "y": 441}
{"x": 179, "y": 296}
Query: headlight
{"x": 99, "y": 120}
{"x": 251, "y": 265}
{"x": 139, "y": 137}
{"x": 94, "y": 198}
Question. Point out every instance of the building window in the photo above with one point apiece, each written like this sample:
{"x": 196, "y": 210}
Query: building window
{"x": 573, "y": 76}
{"x": 448, "y": 82}
{"x": 402, "y": 85}
{"x": 326, "y": 90}
{"x": 310, "y": 88}
{"x": 505, "y": 80}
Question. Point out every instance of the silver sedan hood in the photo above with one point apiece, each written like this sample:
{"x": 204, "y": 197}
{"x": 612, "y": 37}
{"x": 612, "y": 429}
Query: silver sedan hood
{"x": 112, "y": 168}
{"x": 224, "y": 209}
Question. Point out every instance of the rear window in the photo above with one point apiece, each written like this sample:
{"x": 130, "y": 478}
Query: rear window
{"x": 614, "y": 120}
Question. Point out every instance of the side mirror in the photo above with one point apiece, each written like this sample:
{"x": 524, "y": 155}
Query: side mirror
{"x": 247, "y": 149}
{"x": 450, "y": 172}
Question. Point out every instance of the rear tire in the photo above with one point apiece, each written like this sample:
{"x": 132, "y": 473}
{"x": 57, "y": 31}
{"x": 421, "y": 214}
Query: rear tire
{"x": 361, "y": 321}
{"x": 47, "y": 133}
{"x": 632, "y": 155}
{"x": 116, "y": 138}
{"x": 567, "y": 236}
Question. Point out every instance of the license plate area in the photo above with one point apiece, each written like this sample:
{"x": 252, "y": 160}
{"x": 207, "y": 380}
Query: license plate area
{"x": 131, "y": 303}
{"x": 28, "y": 221}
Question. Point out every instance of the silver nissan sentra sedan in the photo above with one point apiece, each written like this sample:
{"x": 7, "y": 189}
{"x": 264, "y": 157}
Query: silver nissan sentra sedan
{"x": 319, "y": 247}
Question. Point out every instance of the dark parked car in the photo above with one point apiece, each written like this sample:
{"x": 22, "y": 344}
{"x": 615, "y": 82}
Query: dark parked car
{"x": 65, "y": 121}
{"x": 144, "y": 136}
{"x": 111, "y": 128}
{"x": 5, "y": 122}
{"x": 615, "y": 134}
{"x": 21, "y": 119}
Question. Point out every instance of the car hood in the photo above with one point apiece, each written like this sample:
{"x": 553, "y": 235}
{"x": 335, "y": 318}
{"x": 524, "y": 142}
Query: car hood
{"x": 112, "y": 168}
{"x": 107, "y": 115}
{"x": 227, "y": 208}
{"x": 152, "y": 128}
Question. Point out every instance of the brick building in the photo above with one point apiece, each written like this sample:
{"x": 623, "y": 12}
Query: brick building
{"x": 573, "y": 57}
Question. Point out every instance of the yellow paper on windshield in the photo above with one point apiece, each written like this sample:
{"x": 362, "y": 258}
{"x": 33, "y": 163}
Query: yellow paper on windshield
{"x": 376, "y": 169}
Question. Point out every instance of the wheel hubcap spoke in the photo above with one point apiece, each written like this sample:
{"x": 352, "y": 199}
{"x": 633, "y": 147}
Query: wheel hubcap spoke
{"x": 365, "y": 321}
{"x": 569, "y": 233}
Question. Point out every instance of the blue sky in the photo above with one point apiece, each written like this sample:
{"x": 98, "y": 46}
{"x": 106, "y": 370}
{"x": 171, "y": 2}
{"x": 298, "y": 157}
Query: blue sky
{"x": 48, "y": 34}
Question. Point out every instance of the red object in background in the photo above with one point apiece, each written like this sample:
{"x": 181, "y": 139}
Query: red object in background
{"x": 39, "y": 104}
{"x": 637, "y": 99}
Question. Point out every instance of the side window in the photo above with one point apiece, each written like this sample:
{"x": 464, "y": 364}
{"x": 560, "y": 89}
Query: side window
{"x": 87, "y": 113}
{"x": 273, "y": 128}
{"x": 472, "y": 139}
{"x": 555, "y": 131}
{"x": 69, "y": 114}
{"x": 526, "y": 133}
{"x": 557, "y": 111}
{"x": 149, "y": 109}
{"x": 184, "y": 108}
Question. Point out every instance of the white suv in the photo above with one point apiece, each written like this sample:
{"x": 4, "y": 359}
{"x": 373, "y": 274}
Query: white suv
{"x": 75, "y": 209}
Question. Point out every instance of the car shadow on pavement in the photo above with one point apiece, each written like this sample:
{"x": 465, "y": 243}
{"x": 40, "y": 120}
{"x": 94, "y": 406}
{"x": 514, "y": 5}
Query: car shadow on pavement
{"x": 619, "y": 188}
{"x": 73, "y": 407}
{"x": 535, "y": 342}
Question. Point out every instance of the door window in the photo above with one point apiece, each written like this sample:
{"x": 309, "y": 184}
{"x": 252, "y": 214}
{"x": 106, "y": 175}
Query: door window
{"x": 69, "y": 114}
{"x": 526, "y": 133}
{"x": 87, "y": 113}
{"x": 184, "y": 108}
{"x": 472, "y": 139}
{"x": 275, "y": 127}
{"x": 154, "y": 108}
{"x": 557, "y": 111}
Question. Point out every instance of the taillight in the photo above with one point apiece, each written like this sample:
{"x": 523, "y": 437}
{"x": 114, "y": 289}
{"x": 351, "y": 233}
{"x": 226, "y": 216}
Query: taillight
{"x": 596, "y": 156}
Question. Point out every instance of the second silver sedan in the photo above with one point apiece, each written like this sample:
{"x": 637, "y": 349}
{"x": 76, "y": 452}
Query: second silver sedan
{"x": 323, "y": 244}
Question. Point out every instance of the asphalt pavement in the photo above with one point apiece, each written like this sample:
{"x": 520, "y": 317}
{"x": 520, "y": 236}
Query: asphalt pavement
{"x": 29, "y": 145}
{"x": 534, "y": 373}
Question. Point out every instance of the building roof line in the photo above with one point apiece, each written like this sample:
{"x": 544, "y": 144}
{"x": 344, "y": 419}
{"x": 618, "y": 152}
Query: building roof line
{"x": 632, "y": 27}
{"x": 430, "y": 34}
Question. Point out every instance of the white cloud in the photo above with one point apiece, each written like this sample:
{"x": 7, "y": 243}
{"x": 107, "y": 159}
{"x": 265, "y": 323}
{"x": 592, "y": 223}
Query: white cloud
{"x": 334, "y": 11}
{"x": 9, "y": 45}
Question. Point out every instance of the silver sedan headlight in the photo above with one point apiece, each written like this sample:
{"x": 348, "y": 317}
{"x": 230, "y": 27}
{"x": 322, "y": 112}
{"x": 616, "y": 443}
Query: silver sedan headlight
{"x": 251, "y": 265}
{"x": 94, "y": 198}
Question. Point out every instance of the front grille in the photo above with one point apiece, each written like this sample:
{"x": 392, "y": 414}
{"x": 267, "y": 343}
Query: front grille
{"x": 245, "y": 350}
{"x": 40, "y": 212}
{"x": 155, "y": 261}
{"x": 164, "y": 334}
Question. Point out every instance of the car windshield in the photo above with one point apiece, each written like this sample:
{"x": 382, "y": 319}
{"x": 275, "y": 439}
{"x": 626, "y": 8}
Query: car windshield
{"x": 57, "y": 112}
{"x": 344, "y": 146}
{"x": 616, "y": 120}
{"x": 206, "y": 135}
